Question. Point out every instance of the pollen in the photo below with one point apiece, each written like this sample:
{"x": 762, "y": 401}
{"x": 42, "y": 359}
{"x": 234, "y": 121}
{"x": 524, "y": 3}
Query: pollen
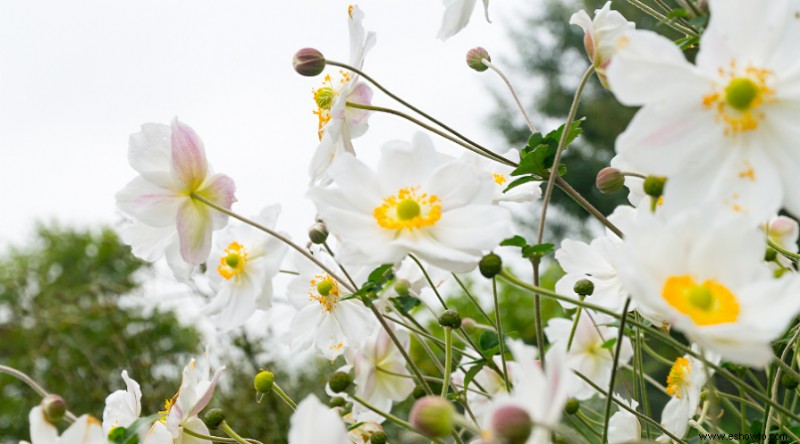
{"x": 168, "y": 403}
{"x": 678, "y": 377}
{"x": 326, "y": 95}
{"x": 709, "y": 303}
{"x": 232, "y": 261}
{"x": 324, "y": 290}
{"x": 738, "y": 101}
{"x": 499, "y": 178}
{"x": 408, "y": 209}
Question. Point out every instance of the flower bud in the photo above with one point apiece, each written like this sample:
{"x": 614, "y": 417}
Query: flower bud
{"x": 378, "y": 438}
{"x": 318, "y": 233}
{"x": 770, "y": 255}
{"x": 468, "y": 323}
{"x": 475, "y": 58}
{"x": 263, "y": 381}
{"x": 572, "y": 406}
{"x": 337, "y": 402}
{"x": 512, "y": 425}
{"x": 654, "y": 186}
{"x": 609, "y": 180}
{"x": 213, "y": 418}
{"x": 584, "y": 287}
{"x": 433, "y": 416}
{"x": 54, "y": 407}
{"x": 450, "y": 318}
{"x": 340, "y": 381}
{"x": 308, "y": 62}
{"x": 789, "y": 381}
{"x": 401, "y": 286}
{"x": 490, "y": 265}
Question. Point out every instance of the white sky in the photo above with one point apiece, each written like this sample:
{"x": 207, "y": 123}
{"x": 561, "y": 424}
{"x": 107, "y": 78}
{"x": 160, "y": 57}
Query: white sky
{"x": 78, "y": 76}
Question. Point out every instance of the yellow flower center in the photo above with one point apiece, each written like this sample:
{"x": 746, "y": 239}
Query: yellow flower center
{"x": 738, "y": 103}
{"x": 324, "y": 290}
{"x": 408, "y": 209}
{"x": 232, "y": 261}
{"x": 678, "y": 377}
{"x": 709, "y": 303}
{"x": 499, "y": 178}
{"x": 324, "y": 97}
{"x": 168, "y": 403}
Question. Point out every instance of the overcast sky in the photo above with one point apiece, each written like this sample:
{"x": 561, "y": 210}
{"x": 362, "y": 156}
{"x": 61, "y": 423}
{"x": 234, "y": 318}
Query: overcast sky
{"x": 77, "y": 77}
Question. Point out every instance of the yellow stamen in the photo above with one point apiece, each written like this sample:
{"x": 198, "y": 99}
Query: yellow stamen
{"x": 738, "y": 103}
{"x": 408, "y": 209}
{"x": 324, "y": 97}
{"x": 324, "y": 290}
{"x": 232, "y": 261}
{"x": 709, "y": 303}
{"x": 678, "y": 377}
{"x": 499, "y": 178}
{"x": 168, "y": 403}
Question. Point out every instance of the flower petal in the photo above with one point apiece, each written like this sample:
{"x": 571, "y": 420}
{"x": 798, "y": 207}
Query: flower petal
{"x": 194, "y": 231}
{"x": 189, "y": 163}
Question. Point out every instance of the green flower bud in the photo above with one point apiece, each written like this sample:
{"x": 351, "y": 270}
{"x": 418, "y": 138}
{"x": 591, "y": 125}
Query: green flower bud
{"x": 654, "y": 186}
{"x": 584, "y": 287}
{"x": 490, "y": 265}
{"x": 475, "y": 58}
{"x": 572, "y": 407}
{"x": 318, "y": 233}
{"x": 401, "y": 286}
{"x": 54, "y": 408}
{"x": 337, "y": 402}
{"x": 213, "y": 418}
{"x": 263, "y": 381}
{"x": 308, "y": 62}
{"x": 609, "y": 180}
{"x": 789, "y": 381}
{"x": 770, "y": 255}
{"x": 433, "y": 416}
{"x": 512, "y": 425}
{"x": 340, "y": 381}
{"x": 378, "y": 438}
{"x": 450, "y": 318}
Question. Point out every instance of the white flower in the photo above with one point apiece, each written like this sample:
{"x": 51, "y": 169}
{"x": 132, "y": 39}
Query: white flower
{"x": 376, "y": 365}
{"x": 172, "y": 165}
{"x": 501, "y": 175}
{"x": 313, "y": 423}
{"x": 685, "y": 381}
{"x": 323, "y": 320}
{"x": 339, "y": 124}
{"x": 123, "y": 407}
{"x": 723, "y": 130}
{"x": 242, "y": 276}
{"x": 196, "y": 390}
{"x": 624, "y": 426}
{"x": 784, "y": 231}
{"x": 418, "y": 201}
{"x": 456, "y": 16}
{"x": 600, "y": 35}
{"x": 588, "y": 353}
{"x": 719, "y": 293}
{"x": 85, "y": 430}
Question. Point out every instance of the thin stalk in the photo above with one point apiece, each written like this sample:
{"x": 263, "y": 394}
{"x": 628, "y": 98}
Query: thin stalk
{"x": 776, "y": 382}
{"x": 574, "y": 325}
{"x": 513, "y": 93}
{"x": 281, "y": 394}
{"x": 233, "y": 433}
{"x": 430, "y": 281}
{"x": 213, "y": 438}
{"x": 501, "y": 342}
{"x": 448, "y": 359}
{"x": 614, "y": 367}
{"x": 32, "y": 384}
{"x": 474, "y": 301}
{"x": 580, "y": 200}
{"x": 662, "y": 18}
{"x": 341, "y": 267}
{"x": 537, "y": 311}
{"x": 793, "y": 256}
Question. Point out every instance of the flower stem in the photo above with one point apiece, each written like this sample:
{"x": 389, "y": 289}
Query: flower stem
{"x": 614, "y": 367}
{"x": 32, "y": 384}
{"x": 281, "y": 394}
{"x": 448, "y": 359}
{"x": 793, "y": 256}
{"x": 580, "y": 200}
{"x": 776, "y": 383}
{"x": 500, "y": 340}
{"x": 513, "y": 93}
{"x": 213, "y": 438}
{"x": 232, "y": 433}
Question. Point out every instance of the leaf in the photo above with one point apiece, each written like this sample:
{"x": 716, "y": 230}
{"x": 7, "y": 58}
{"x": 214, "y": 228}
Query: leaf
{"x": 471, "y": 373}
{"x": 608, "y": 344}
{"x": 520, "y": 181}
{"x": 516, "y": 241}
{"x": 489, "y": 343}
{"x": 375, "y": 282}
{"x": 405, "y": 303}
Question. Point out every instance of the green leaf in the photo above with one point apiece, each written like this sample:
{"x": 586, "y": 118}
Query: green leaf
{"x": 471, "y": 373}
{"x": 522, "y": 180}
{"x": 678, "y": 12}
{"x": 516, "y": 241}
{"x": 488, "y": 342}
{"x": 405, "y": 303}
{"x": 610, "y": 343}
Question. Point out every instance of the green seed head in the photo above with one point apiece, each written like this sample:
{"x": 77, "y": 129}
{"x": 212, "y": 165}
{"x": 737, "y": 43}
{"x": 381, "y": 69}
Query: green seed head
{"x": 340, "y": 381}
{"x": 263, "y": 381}
{"x": 490, "y": 265}
{"x": 654, "y": 186}
{"x": 324, "y": 287}
{"x": 584, "y": 287}
{"x": 408, "y": 209}
{"x": 213, "y": 418}
{"x": 324, "y": 97}
{"x": 701, "y": 297}
{"x": 740, "y": 93}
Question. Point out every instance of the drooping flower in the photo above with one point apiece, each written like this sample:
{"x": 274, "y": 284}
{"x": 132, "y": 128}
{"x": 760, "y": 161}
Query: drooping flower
{"x": 722, "y": 130}
{"x": 172, "y": 165}
{"x": 456, "y": 16}
{"x": 419, "y": 201}
{"x": 600, "y": 35}
{"x": 314, "y": 423}
{"x": 197, "y": 387}
{"x": 242, "y": 276}
{"x": 624, "y": 426}
{"x": 123, "y": 408}
{"x": 685, "y": 268}
{"x": 338, "y": 123}
{"x": 85, "y": 430}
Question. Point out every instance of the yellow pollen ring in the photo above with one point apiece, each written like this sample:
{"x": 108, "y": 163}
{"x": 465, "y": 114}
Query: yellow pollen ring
{"x": 408, "y": 209}
{"x": 324, "y": 97}
{"x": 709, "y": 303}
{"x": 678, "y": 377}
{"x": 324, "y": 284}
{"x": 737, "y": 104}
{"x": 499, "y": 178}
{"x": 232, "y": 261}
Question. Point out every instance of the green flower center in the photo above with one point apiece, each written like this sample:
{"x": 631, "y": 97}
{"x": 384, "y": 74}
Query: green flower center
{"x": 324, "y": 96}
{"x": 324, "y": 287}
{"x": 741, "y": 92}
{"x": 408, "y": 209}
{"x": 701, "y": 297}
{"x": 232, "y": 259}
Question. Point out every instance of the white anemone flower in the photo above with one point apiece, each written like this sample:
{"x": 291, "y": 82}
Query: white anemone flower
{"x": 723, "y": 129}
{"x": 123, "y": 408}
{"x": 719, "y": 293}
{"x": 338, "y": 123}
{"x": 85, "y": 430}
{"x": 600, "y": 35}
{"x": 456, "y": 16}
{"x": 419, "y": 201}
{"x": 314, "y": 423}
{"x": 172, "y": 165}
{"x": 197, "y": 388}
{"x": 242, "y": 278}
{"x": 325, "y": 319}
{"x": 501, "y": 175}
{"x": 623, "y": 426}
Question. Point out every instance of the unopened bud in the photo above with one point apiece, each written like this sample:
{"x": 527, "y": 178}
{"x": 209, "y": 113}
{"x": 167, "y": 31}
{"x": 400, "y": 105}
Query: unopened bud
{"x": 584, "y": 287}
{"x": 512, "y": 425}
{"x": 770, "y": 255}
{"x": 401, "y": 286}
{"x": 378, "y": 438}
{"x": 263, "y": 381}
{"x": 213, "y": 418}
{"x": 475, "y": 58}
{"x": 450, "y": 318}
{"x": 789, "y": 381}
{"x": 654, "y": 186}
{"x": 433, "y": 416}
{"x": 340, "y": 381}
{"x": 318, "y": 233}
{"x": 609, "y": 180}
{"x": 490, "y": 265}
{"x": 308, "y": 62}
{"x": 337, "y": 402}
{"x": 572, "y": 406}
{"x": 54, "y": 407}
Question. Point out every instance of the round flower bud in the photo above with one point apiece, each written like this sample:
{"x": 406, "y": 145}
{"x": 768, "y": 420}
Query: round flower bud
{"x": 490, "y": 265}
{"x": 450, "y": 318}
{"x": 378, "y": 438}
{"x": 572, "y": 406}
{"x": 263, "y": 381}
{"x": 770, "y": 255}
{"x": 308, "y": 62}
{"x": 789, "y": 381}
{"x": 213, "y": 418}
{"x": 433, "y": 416}
{"x": 340, "y": 381}
{"x": 418, "y": 392}
{"x": 337, "y": 402}
{"x": 584, "y": 287}
{"x": 318, "y": 233}
{"x": 609, "y": 180}
{"x": 54, "y": 407}
{"x": 654, "y": 186}
{"x": 401, "y": 286}
{"x": 475, "y": 58}
{"x": 512, "y": 425}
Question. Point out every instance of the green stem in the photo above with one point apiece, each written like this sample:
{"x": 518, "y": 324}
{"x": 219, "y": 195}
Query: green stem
{"x": 574, "y": 325}
{"x": 213, "y": 438}
{"x": 500, "y": 338}
{"x": 391, "y": 417}
{"x": 281, "y": 394}
{"x": 474, "y": 301}
{"x": 513, "y": 93}
{"x": 783, "y": 251}
{"x": 448, "y": 359}
{"x": 232, "y": 433}
{"x": 429, "y": 280}
{"x": 580, "y": 200}
{"x": 663, "y": 19}
{"x": 776, "y": 381}
{"x": 34, "y": 385}
{"x": 614, "y": 366}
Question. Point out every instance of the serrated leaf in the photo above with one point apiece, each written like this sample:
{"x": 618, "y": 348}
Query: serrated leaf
{"x": 381, "y": 273}
{"x": 537, "y": 250}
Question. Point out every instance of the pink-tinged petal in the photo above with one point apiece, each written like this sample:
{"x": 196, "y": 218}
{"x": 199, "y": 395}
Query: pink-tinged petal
{"x": 203, "y": 401}
{"x": 194, "y": 231}
{"x": 221, "y": 190}
{"x": 189, "y": 163}
{"x": 42, "y": 432}
{"x": 85, "y": 430}
{"x": 148, "y": 203}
